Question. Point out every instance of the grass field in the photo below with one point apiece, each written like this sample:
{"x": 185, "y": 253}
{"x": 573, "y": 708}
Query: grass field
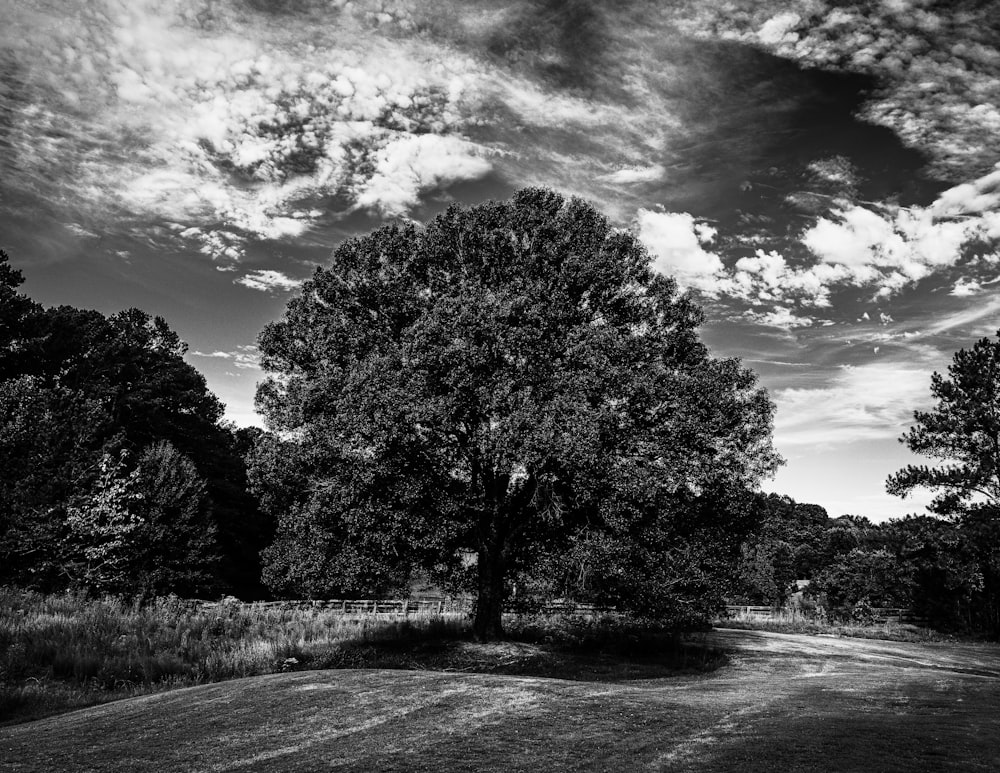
{"x": 784, "y": 702}
{"x": 63, "y": 652}
{"x": 59, "y": 652}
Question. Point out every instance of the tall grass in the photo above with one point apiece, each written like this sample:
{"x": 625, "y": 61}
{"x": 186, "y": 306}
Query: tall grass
{"x": 67, "y": 651}
{"x": 795, "y": 621}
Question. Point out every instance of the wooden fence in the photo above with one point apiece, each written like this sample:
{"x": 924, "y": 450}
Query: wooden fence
{"x": 437, "y": 606}
{"x": 464, "y": 605}
{"x": 433, "y": 605}
{"x": 880, "y": 614}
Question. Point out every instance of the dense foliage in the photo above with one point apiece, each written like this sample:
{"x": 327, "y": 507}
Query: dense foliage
{"x": 118, "y": 473}
{"x": 962, "y": 432}
{"x": 509, "y": 381}
{"x": 938, "y": 569}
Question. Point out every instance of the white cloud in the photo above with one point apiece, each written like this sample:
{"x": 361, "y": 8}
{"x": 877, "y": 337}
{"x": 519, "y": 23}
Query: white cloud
{"x": 644, "y": 174}
{"x": 861, "y": 402}
{"x": 889, "y": 249}
{"x": 204, "y": 115}
{"x": 766, "y": 277}
{"x": 965, "y": 318}
{"x": 980, "y": 195}
{"x": 409, "y": 166}
{"x": 245, "y": 357}
{"x": 781, "y": 317}
{"x": 965, "y": 287}
{"x": 675, "y": 241}
{"x": 882, "y": 246}
{"x": 778, "y": 30}
{"x": 268, "y": 280}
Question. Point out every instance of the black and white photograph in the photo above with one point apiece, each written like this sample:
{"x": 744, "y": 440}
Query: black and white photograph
{"x": 529, "y": 385}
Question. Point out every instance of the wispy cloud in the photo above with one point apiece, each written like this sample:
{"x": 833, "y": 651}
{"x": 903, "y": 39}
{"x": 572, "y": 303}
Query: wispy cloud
{"x": 245, "y": 357}
{"x": 632, "y": 175}
{"x": 861, "y": 402}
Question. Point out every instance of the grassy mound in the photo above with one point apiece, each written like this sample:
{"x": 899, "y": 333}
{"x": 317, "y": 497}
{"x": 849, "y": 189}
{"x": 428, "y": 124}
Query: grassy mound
{"x": 785, "y": 702}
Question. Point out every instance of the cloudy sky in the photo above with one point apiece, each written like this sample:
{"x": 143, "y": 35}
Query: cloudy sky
{"x": 824, "y": 175}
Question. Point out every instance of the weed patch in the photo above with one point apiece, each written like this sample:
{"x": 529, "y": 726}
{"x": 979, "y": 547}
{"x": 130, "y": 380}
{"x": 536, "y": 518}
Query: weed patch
{"x": 796, "y": 622}
{"x": 68, "y": 651}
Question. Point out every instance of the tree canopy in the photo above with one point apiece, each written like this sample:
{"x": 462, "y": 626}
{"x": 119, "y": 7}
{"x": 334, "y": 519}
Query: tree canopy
{"x": 511, "y": 374}
{"x": 962, "y": 431}
{"x": 97, "y": 414}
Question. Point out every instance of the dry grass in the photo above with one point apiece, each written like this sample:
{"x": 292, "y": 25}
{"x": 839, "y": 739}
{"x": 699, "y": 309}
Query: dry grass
{"x": 791, "y": 621}
{"x": 59, "y": 652}
{"x": 66, "y": 651}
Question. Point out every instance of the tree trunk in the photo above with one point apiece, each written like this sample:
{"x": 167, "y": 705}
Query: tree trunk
{"x": 487, "y": 625}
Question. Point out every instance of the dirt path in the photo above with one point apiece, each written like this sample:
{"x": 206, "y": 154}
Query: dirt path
{"x": 786, "y": 703}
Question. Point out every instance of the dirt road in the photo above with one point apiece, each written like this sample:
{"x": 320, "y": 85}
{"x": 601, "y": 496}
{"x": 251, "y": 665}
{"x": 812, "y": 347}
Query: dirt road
{"x": 788, "y": 703}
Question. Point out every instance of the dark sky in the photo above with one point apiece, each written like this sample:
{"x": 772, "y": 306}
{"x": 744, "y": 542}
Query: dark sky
{"x": 822, "y": 175}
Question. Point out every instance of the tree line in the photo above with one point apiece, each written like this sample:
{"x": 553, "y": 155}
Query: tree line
{"x": 505, "y": 401}
{"x": 118, "y": 473}
{"x": 944, "y": 570}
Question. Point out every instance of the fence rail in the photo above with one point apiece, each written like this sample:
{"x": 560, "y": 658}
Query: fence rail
{"x": 464, "y": 605}
{"x": 360, "y": 606}
{"x": 880, "y": 614}
{"x": 432, "y": 605}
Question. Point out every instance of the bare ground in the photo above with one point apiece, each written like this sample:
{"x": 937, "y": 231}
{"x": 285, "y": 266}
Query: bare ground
{"x": 786, "y": 702}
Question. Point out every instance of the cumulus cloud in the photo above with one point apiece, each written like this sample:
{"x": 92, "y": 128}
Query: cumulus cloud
{"x": 676, "y": 241}
{"x": 411, "y": 165}
{"x": 886, "y": 249}
{"x": 268, "y": 280}
{"x": 881, "y": 247}
{"x": 781, "y": 317}
{"x": 780, "y": 29}
{"x": 965, "y": 287}
{"x": 766, "y": 277}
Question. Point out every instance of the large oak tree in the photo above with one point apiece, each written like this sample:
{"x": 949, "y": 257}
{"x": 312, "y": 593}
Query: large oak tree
{"x": 508, "y": 370}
